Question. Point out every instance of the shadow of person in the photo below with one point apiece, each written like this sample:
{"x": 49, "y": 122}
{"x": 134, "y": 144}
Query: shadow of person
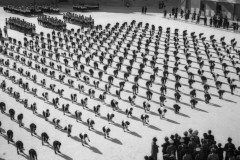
{"x": 117, "y": 125}
{"x": 154, "y": 127}
{"x": 27, "y": 129}
{"x": 60, "y": 154}
{"x": 134, "y": 134}
{"x": 2, "y": 130}
{"x": 25, "y": 155}
{"x": 172, "y": 121}
{"x": 198, "y": 109}
{"x": 4, "y": 136}
{"x": 136, "y": 118}
{"x": 37, "y": 136}
{"x": 76, "y": 139}
{"x": 98, "y": 132}
{"x": 65, "y": 156}
{"x": 95, "y": 150}
{"x": 115, "y": 141}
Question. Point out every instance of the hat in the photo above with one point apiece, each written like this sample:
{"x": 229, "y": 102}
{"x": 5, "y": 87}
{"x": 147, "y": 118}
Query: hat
{"x": 155, "y": 139}
{"x": 198, "y": 149}
{"x": 195, "y": 132}
{"x": 229, "y": 139}
{"x": 185, "y": 133}
{"x": 171, "y": 141}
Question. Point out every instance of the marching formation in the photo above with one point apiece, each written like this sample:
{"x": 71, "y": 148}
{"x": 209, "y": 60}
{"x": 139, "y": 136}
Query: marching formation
{"x": 51, "y": 22}
{"x": 20, "y": 25}
{"x": 31, "y": 10}
{"x": 79, "y": 19}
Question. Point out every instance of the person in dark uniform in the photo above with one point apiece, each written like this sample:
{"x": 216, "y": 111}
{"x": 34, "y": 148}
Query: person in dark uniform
{"x": 20, "y": 118}
{"x": 46, "y": 114}
{"x": 2, "y": 107}
{"x": 32, "y": 154}
{"x": 10, "y": 136}
{"x": 193, "y": 103}
{"x": 56, "y": 146}
{"x": 114, "y": 104}
{"x": 84, "y": 138}
{"x": 149, "y": 95}
{"x": 154, "y": 150}
{"x": 96, "y": 110}
{"x": 12, "y": 113}
{"x": 34, "y": 108}
{"x": 129, "y": 112}
{"x": 106, "y": 131}
{"x": 69, "y": 130}
{"x": 193, "y": 93}
{"x": 110, "y": 117}
{"x": 78, "y": 115}
{"x": 132, "y": 100}
{"x": 125, "y": 125}
{"x": 207, "y": 97}
{"x": 220, "y": 93}
{"x": 146, "y": 106}
{"x": 90, "y": 123}
{"x": 145, "y": 119}
{"x": 176, "y": 108}
{"x": 45, "y": 138}
{"x": 33, "y": 128}
{"x": 229, "y": 148}
{"x": 220, "y": 151}
{"x": 19, "y": 146}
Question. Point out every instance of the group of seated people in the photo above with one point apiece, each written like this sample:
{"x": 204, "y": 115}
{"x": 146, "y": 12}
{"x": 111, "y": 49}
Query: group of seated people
{"x": 217, "y": 21}
{"x": 79, "y": 19}
{"x": 20, "y": 25}
{"x": 24, "y": 10}
{"x": 86, "y": 7}
{"x": 51, "y": 22}
{"x": 190, "y": 146}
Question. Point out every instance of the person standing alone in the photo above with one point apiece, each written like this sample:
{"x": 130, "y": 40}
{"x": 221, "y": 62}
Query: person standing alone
{"x": 154, "y": 150}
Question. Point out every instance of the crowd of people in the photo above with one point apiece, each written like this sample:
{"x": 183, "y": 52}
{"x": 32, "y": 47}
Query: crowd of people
{"x": 217, "y": 20}
{"x": 85, "y": 7}
{"x": 23, "y": 10}
{"x": 190, "y": 146}
{"x": 81, "y": 20}
{"x": 51, "y": 22}
{"x": 20, "y": 25}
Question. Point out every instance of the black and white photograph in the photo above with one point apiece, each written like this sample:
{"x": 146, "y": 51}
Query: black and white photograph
{"x": 119, "y": 79}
